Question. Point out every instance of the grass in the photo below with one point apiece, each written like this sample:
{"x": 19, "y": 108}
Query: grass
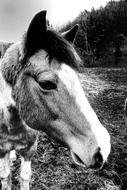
{"x": 53, "y": 168}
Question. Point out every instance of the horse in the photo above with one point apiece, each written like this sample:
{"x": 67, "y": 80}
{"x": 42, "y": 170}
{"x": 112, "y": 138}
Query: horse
{"x": 41, "y": 91}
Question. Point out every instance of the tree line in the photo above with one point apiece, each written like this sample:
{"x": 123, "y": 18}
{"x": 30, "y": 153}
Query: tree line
{"x": 102, "y": 33}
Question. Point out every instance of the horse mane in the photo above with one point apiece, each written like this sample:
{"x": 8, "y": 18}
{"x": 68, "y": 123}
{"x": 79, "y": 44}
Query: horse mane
{"x": 56, "y": 47}
{"x": 53, "y": 43}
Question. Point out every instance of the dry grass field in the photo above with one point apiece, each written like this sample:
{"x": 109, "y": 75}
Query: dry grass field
{"x": 53, "y": 168}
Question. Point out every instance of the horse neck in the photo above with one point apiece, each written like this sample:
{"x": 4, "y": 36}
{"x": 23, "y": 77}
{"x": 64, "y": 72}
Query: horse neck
{"x": 11, "y": 64}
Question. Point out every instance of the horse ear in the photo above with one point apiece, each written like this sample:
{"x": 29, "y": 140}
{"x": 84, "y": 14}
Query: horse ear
{"x": 71, "y": 34}
{"x": 36, "y": 32}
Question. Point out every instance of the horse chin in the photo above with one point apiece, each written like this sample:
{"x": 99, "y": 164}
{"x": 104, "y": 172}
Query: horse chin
{"x": 77, "y": 160}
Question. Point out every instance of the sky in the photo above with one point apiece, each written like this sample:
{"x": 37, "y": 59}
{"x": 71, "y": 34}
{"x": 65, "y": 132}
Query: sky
{"x": 15, "y": 15}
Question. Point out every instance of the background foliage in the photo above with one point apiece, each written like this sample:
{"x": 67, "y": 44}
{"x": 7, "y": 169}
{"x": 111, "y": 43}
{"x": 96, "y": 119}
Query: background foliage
{"x": 102, "y": 36}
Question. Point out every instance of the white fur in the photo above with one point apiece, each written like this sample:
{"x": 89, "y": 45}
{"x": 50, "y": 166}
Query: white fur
{"x": 12, "y": 156}
{"x": 70, "y": 79}
{"x": 4, "y": 167}
{"x": 25, "y": 174}
{"x": 5, "y": 172}
{"x": 25, "y": 169}
{"x": 5, "y": 97}
{"x": 5, "y": 93}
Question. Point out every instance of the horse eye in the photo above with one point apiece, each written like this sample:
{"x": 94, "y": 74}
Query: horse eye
{"x": 48, "y": 85}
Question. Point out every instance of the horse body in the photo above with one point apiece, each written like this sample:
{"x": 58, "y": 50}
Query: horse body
{"x": 41, "y": 91}
{"x": 14, "y": 135}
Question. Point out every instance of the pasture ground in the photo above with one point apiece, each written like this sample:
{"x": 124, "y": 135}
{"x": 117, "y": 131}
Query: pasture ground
{"x": 53, "y": 168}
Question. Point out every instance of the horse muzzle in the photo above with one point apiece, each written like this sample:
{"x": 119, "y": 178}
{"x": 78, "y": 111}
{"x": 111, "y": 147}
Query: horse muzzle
{"x": 96, "y": 162}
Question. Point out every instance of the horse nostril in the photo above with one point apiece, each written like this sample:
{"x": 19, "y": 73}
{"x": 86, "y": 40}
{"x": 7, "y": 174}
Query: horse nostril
{"x": 77, "y": 159}
{"x": 98, "y": 160}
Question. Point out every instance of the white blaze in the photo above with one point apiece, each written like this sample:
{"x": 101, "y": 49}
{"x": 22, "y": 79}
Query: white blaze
{"x": 70, "y": 79}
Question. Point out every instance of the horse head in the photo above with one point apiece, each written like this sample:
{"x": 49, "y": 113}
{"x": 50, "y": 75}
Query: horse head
{"x": 42, "y": 70}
